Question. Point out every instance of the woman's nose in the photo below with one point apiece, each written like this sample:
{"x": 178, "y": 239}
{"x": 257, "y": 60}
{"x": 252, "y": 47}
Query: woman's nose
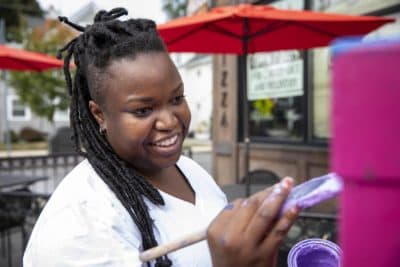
{"x": 166, "y": 120}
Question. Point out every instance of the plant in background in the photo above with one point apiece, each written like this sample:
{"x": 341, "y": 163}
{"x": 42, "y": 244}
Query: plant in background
{"x": 175, "y": 8}
{"x": 15, "y": 14}
{"x": 264, "y": 107}
{"x": 44, "y": 92}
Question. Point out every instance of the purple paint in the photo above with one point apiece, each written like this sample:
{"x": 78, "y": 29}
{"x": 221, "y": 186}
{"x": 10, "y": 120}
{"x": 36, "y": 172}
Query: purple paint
{"x": 314, "y": 252}
{"x": 230, "y": 206}
{"x": 313, "y": 191}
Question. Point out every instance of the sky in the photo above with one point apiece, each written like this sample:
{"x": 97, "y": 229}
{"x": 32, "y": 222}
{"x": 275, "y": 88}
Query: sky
{"x": 136, "y": 8}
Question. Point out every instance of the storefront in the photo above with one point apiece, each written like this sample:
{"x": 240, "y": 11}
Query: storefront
{"x": 288, "y": 98}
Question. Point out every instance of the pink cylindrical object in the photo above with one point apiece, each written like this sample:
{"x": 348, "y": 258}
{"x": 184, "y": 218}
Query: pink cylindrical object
{"x": 365, "y": 152}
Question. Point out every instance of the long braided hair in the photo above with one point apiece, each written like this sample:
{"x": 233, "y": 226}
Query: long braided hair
{"x": 93, "y": 50}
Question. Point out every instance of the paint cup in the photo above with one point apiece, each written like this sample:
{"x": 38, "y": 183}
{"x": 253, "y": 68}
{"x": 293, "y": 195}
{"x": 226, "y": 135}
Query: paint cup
{"x": 314, "y": 252}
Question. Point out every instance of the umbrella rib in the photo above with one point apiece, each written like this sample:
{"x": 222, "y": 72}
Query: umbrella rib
{"x": 208, "y": 26}
{"x": 318, "y": 30}
{"x": 267, "y": 29}
{"x": 217, "y": 29}
{"x": 183, "y": 36}
{"x": 278, "y": 25}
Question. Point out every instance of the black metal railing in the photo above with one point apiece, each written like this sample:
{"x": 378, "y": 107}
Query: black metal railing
{"x": 20, "y": 204}
{"x": 54, "y": 166}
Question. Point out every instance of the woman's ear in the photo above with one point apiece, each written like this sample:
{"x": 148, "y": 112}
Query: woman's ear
{"x": 97, "y": 114}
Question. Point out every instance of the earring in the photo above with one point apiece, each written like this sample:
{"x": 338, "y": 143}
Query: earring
{"x": 102, "y": 130}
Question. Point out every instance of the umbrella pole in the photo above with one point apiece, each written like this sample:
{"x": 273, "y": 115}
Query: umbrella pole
{"x": 246, "y": 135}
{"x": 246, "y": 131}
{"x": 6, "y": 125}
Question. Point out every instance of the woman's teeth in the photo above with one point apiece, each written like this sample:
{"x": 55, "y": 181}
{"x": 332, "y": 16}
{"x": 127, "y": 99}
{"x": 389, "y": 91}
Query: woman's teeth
{"x": 167, "y": 142}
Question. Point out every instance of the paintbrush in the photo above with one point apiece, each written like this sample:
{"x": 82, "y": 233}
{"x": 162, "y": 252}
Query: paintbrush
{"x": 303, "y": 196}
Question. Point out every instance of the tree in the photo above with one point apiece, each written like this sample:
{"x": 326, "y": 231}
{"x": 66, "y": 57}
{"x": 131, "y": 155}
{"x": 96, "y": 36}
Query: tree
{"x": 14, "y": 13}
{"x": 175, "y": 8}
{"x": 44, "y": 92}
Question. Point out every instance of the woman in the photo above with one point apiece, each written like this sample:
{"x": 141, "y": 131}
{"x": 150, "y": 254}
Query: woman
{"x": 135, "y": 190}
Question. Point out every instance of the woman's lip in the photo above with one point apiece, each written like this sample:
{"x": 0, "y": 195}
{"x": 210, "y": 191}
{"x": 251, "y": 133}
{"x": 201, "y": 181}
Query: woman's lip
{"x": 165, "y": 138}
{"x": 166, "y": 151}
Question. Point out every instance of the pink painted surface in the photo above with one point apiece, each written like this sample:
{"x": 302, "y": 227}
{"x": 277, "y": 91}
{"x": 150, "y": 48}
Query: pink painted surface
{"x": 370, "y": 226}
{"x": 366, "y": 112}
{"x": 366, "y": 153}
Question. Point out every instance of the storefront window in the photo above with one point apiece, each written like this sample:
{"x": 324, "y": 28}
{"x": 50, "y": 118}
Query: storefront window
{"x": 277, "y": 118}
{"x": 275, "y": 91}
{"x": 276, "y": 95}
{"x": 321, "y": 79}
{"x": 321, "y": 93}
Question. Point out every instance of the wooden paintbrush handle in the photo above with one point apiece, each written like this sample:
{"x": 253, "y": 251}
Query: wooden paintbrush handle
{"x": 161, "y": 250}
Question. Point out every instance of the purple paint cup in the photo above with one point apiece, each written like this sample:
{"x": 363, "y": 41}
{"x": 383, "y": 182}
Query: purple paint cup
{"x": 314, "y": 252}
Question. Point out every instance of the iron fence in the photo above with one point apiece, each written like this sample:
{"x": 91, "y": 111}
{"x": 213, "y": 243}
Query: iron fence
{"x": 53, "y": 166}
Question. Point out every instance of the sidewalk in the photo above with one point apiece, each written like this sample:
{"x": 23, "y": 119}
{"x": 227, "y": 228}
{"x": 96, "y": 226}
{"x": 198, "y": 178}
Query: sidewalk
{"x": 23, "y": 153}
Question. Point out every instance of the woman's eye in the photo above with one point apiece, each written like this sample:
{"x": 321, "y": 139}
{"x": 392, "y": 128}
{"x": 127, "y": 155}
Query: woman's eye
{"x": 142, "y": 112}
{"x": 178, "y": 99}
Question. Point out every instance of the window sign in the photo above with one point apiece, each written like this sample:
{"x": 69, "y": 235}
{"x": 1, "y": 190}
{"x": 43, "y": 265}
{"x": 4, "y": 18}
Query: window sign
{"x": 275, "y": 75}
{"x": 275, "y": 81}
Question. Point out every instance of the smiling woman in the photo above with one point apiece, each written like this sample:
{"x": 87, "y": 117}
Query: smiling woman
{"x": 145, "y": 114}
{"x": 135, "y": 190}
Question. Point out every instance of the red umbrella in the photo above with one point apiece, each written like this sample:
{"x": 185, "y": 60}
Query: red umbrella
{"x": 246, "y": 28}
{"x": 20, "y": 60}
{"x": 17, "y": 59}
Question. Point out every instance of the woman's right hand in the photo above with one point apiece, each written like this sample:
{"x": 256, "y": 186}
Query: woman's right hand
{"x": 248, "y": 231}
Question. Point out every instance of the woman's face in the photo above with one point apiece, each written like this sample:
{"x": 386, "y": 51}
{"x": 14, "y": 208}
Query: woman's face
{"x": 145, "y": 114}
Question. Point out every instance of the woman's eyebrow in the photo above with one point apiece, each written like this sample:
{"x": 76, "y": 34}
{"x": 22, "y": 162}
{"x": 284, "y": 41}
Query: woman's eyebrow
{"x": 178, "y": 88}
{"x": 141, "y": 99}
{"x": 146, "y": 99}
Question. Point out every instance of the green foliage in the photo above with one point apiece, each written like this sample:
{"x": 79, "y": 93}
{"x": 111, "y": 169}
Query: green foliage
{"x": 175, "y": 8}
{"x": 44, "y": 92}
{"x": 14, "y": 13}
{"x": 13, "y": 136}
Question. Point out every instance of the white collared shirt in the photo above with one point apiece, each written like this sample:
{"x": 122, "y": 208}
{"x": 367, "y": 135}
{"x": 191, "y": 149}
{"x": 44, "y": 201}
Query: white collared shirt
{"x": 84, "y": 224}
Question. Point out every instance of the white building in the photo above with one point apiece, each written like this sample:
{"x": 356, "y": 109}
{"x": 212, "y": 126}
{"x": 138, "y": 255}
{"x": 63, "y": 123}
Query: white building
{"x": 196, "y": 73}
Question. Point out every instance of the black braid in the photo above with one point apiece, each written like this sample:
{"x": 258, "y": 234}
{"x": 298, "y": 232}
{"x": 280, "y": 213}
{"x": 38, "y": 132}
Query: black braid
{"x": 106, "y": 40}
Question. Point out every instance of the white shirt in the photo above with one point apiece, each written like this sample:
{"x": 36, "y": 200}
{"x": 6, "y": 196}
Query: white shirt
{"x": 84, "y": 224}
